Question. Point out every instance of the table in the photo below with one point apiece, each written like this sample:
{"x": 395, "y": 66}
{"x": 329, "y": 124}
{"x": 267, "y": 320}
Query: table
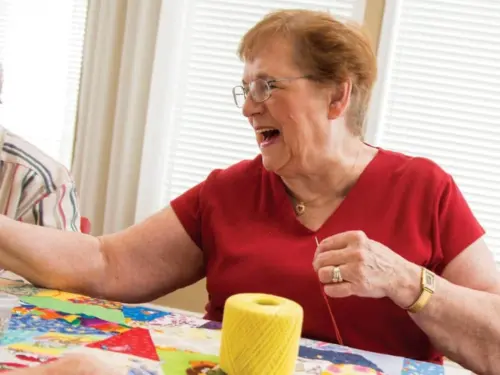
{"x": 151, "y": 340}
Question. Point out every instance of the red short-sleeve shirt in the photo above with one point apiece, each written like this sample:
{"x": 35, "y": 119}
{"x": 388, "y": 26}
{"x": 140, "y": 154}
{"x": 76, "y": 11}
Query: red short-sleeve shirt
{"x": 242, "y": 220}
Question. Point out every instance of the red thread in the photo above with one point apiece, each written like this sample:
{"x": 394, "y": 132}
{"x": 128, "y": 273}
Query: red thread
{"x": 332, "y": 317}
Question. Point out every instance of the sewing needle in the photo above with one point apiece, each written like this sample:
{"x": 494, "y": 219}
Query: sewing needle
{"x": 317, "y": 245}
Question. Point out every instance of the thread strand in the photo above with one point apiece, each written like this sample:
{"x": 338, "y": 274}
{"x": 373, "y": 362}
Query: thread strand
{"x": 330, "y": 312}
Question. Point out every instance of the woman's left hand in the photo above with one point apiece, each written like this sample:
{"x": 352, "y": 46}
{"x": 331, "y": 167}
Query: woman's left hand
{"x": 367, "y": 268}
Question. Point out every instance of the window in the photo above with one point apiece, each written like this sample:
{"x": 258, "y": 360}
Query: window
{"x": 41, "y": 45}
{"x": 205, "y": 129}
{"x": 438, "y": 95}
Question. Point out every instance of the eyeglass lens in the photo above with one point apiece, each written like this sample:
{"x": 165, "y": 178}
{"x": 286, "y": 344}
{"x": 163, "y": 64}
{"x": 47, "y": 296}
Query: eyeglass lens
{"x": 258, "y": 89}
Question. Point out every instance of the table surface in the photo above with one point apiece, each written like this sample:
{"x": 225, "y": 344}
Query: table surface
{"x": 154, "y": 340}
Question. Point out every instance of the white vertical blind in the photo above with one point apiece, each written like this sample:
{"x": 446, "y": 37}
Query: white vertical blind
{"x": 442, "y": 95}
{"x": 206, "y": 130}
{"x": 41, "y": 44}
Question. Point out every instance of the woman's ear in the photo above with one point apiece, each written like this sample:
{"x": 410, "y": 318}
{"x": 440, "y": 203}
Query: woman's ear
{"x": 339, "y": 101}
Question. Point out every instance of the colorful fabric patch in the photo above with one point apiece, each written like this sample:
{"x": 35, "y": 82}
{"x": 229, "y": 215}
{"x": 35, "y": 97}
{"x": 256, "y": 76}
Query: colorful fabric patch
{"x": 349, "y": 370}
{"x": 13, "y": 359}
{"x": 10, "y": 366}
{"x": 102, "y": 325}
{"x": 54, "y": 343}
{"x": 176, "y": 320}
{"x": 176, "y": 362}
{"x": 12, "y": 337}
{"x": 123, "y": 364}
{"x": 411, "y": 367}
{"x": 136, "y": 341}
{"x": 337, "y": 358}
{"x": 97, "y": 302}
{"x": 188, "y": 339}
{"x": 35, "y": 323}
{"x": 72, "y": 319}
{"x": 212, "y": 325}
{"x": 111, "y": 315}
{"x": 58, "y": 294}
{"x": 142, "y": 314}
{"x": 25, "y": 356}
{"x": 308, "y": 343}
{"x": 20, "y": 290}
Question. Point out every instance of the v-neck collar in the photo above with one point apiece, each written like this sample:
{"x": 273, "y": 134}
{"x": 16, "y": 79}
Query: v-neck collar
{"x": 359, "y": 189}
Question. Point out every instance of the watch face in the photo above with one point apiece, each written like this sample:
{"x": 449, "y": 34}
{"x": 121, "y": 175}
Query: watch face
{"x": 429, "y": 280}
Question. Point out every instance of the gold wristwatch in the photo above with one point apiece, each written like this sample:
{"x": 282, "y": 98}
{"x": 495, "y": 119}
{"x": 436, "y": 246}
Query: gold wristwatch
{"x": 428, "y": 286}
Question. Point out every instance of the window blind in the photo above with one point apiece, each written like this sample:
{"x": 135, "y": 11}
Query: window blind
{"x": 206, "y": 129}
{"x": 41, "y": 44}
{"x": 442, "y": 96}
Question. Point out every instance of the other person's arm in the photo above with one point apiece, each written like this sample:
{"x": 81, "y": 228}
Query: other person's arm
{"x": 139, "y": 264}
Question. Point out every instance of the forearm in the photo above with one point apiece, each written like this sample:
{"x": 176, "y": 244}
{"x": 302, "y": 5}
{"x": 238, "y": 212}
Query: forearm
{"x": 462, "y": 323}
{"x": 52, "y": 258}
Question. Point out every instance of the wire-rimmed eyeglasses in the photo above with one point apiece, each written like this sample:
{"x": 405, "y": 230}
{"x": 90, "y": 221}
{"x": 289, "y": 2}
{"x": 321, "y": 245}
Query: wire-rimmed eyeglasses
{"x": 259, "y": 90}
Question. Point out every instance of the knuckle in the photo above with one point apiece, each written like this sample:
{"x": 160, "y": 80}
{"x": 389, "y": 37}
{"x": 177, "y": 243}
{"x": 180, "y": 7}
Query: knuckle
{"x": 359, "y": 236}
{"x": 360, "y": 270}
{"x": 324, "y": 259}
{"x": 325, "y": 243}
{"x": 359, "y": 255}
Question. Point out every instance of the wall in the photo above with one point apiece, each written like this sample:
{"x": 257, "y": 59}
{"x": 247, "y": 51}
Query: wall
{"x": 194, "y": 297}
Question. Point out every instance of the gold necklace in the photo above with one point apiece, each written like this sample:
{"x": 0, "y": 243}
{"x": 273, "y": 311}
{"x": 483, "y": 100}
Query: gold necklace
{"x": 300, "y": 206}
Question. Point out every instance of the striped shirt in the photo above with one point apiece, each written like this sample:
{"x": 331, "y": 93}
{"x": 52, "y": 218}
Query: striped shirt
{"x": 34, "y": 188}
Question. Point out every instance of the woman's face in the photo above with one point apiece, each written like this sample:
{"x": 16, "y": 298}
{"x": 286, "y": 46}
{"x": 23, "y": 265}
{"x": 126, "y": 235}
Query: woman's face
{"x": 293, "y": 127}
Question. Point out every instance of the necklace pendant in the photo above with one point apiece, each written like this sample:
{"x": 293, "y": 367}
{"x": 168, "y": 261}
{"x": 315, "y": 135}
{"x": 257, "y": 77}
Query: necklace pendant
{"x": 300, "y": 208}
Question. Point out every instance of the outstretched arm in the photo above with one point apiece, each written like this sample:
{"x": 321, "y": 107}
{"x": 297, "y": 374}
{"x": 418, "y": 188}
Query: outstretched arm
{"x": 138, "y": 264}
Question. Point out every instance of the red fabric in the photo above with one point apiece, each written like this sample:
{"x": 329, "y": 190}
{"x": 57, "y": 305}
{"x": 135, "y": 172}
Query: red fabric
{"x": 243, "y": 221}
{"x": 85, "y": 225}
{"x": 136, "y": 341}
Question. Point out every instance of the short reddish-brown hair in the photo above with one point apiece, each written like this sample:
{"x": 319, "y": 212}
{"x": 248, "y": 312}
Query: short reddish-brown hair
{"x": 329, "y": 50}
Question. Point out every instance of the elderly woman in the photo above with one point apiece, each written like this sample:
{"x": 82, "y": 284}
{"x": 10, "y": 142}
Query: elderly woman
{"x": 401, "y": 266}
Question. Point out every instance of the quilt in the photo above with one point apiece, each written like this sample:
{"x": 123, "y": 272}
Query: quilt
{"x": 140, "y": 340}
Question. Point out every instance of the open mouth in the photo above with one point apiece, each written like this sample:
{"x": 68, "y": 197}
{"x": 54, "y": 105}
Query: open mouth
{"x": 268, "y": 135}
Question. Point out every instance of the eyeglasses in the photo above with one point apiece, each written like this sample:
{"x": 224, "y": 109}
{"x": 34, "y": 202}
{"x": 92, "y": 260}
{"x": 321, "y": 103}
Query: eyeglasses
{"x": 259, "y": 89}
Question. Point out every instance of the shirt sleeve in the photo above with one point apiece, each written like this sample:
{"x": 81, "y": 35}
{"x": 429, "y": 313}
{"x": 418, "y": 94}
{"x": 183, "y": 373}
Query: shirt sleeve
{"x": 190, "y": 205}
{"x": 58, "y": 209}
{"x": 455, "y": 226}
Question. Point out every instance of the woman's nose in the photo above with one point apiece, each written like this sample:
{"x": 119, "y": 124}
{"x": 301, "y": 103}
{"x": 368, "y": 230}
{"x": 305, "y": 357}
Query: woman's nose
{"x": 251, "y": 108}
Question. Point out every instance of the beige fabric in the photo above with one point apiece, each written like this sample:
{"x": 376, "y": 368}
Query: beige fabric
{"x": 116, "y": 75}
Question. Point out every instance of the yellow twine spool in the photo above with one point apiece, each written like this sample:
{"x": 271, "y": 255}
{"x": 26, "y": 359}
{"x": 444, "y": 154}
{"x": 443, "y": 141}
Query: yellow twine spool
{"x": 260, "y": 335}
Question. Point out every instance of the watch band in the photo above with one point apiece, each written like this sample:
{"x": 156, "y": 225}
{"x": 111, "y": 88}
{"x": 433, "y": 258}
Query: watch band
{"x": 428, "y": 286}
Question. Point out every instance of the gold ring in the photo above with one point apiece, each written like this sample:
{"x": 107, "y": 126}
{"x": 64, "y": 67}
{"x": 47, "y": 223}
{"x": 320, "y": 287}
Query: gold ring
{"x": 336, "y": 275}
